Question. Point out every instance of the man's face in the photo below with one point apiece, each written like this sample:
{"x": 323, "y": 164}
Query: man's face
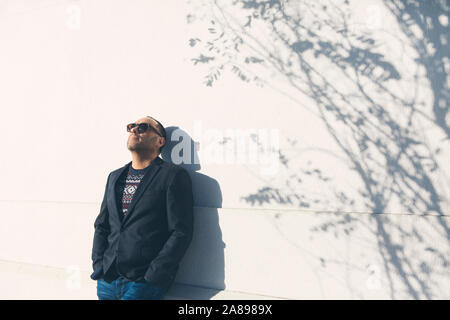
{"x": 147, "y": 142}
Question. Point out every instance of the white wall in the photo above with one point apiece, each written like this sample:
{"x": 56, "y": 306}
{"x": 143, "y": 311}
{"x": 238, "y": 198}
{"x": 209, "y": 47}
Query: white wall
{"x": 68, "y": 88}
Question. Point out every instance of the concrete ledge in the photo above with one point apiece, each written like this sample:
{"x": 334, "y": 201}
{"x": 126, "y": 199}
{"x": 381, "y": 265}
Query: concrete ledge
{"x": 189, "y": 292}
{"x": 36, "y": 282}
{"x": 294, "y": 255}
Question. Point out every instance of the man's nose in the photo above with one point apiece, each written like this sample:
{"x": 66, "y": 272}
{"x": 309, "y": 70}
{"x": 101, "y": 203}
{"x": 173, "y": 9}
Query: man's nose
{"x": 135, "y": 130}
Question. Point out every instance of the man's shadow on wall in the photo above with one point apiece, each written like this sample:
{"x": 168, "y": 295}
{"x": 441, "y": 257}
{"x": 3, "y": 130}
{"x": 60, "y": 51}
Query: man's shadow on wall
{"x": 203, "y": 266}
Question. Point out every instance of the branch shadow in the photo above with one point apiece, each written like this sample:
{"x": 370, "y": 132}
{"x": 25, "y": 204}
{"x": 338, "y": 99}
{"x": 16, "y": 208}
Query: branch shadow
{"x": 377, "y": 128}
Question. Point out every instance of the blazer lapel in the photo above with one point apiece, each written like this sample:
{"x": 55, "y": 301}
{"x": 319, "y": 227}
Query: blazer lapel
{"x": 117, "y": 209}
{"x": 145, "y": 182}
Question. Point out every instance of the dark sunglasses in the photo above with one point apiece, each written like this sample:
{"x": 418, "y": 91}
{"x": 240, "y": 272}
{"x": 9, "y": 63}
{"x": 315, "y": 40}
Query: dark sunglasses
{"x": 142, "y": 127}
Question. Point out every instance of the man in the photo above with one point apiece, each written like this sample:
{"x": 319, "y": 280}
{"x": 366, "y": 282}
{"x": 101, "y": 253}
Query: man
{"x": 145, "y": 222}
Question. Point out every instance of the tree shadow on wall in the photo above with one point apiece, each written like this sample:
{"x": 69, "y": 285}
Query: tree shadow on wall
{"x": 432, "y": 44}
{"x": 204, "y": 264}
{"x": 371, "y": 107}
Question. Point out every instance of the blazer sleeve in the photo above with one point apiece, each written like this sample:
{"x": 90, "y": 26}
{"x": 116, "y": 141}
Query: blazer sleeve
{"x": 101, "y": 233}
{"x": 180, "y": 207}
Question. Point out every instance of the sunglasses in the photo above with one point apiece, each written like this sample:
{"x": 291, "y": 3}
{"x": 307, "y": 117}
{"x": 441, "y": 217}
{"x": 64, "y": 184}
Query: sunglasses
{"x": 142, "y": 127}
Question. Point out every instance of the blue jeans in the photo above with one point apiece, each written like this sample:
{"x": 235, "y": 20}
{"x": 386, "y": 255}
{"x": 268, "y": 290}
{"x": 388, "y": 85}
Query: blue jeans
{"x": 124, "y": 289}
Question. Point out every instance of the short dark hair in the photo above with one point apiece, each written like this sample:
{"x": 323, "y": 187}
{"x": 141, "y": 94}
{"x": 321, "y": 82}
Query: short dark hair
{"x": 161, "y": 130}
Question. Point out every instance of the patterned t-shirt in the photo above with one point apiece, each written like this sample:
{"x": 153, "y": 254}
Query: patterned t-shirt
{"x": 132, "y": 181}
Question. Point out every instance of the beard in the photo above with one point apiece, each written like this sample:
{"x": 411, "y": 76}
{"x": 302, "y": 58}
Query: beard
{"x": 142, "y": 147}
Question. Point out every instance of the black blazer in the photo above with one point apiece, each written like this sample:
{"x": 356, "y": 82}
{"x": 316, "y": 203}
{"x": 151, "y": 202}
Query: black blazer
{"x": 150, "y": 241}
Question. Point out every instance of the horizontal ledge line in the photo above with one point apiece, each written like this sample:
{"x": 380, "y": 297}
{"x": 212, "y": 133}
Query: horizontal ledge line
{"x": 311, "y": 211}
{"x": 32, "y": 265}
{"x": 284, "y": 210}
{"x": 231, "y": 291}
{"x": 62, "y": 270}
{"x": 52, "y": 201}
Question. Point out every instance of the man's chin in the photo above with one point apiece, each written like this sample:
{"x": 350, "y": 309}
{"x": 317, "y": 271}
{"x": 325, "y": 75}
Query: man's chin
{"x": 137, "y": 149}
